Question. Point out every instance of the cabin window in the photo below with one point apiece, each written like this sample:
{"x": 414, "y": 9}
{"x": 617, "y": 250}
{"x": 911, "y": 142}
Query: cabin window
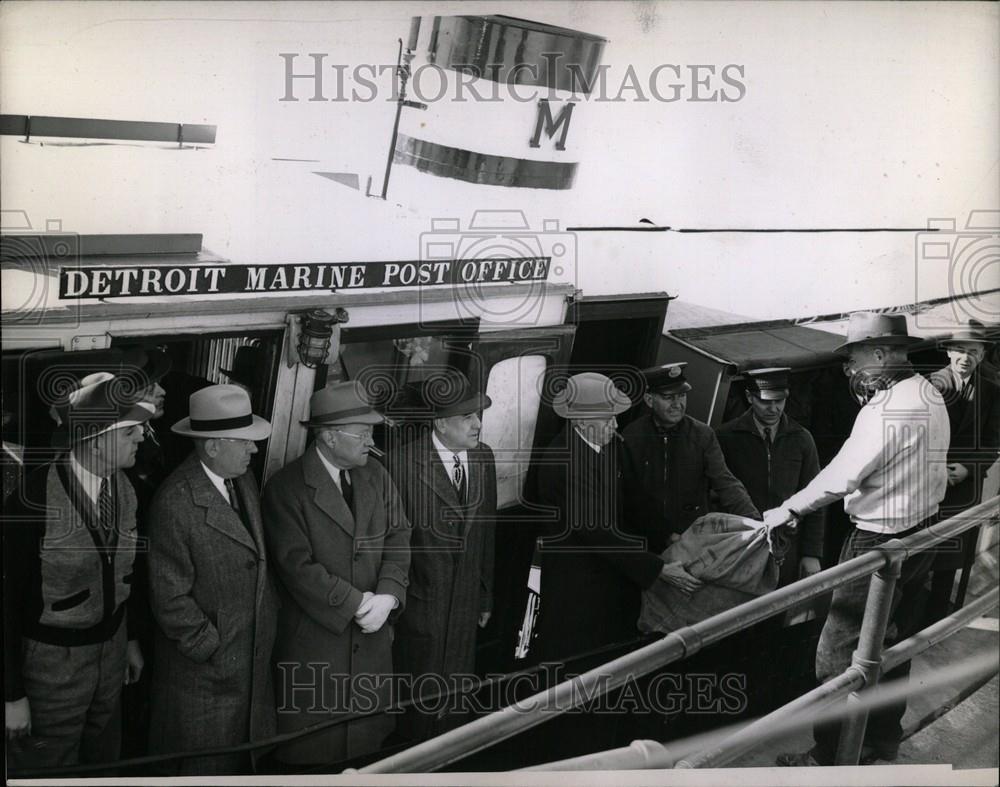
{"x": 515, "y": 386}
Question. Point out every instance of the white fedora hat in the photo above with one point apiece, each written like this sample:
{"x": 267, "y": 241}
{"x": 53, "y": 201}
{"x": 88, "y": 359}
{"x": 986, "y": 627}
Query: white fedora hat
{"x": 222, "y": 411}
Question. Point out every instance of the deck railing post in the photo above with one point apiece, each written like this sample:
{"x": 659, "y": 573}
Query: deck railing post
{"x": 867, "y": 657}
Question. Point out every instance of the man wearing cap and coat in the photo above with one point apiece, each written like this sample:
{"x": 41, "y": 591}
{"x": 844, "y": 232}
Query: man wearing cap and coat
{"x": 211, "y": 591}
{"x": 774, "y": 456}
{"x": 448, "y": 483}
{"x": 891, "y": 474}
{"x": 672, "y": 462}
{"x": 340, "y": 542}
{"x": 592, "y": 570}
{"x": 973, "y": 402}
{"x": 69, "y": 540}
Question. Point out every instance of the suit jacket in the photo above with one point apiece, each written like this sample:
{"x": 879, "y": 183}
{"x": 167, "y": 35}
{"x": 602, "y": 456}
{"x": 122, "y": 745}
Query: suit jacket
{"x": 667, "y": 484}
{"x": 216, "y": 606}
{"x": 326, "y": 558}
{"x": 592, "y": 571}
{"x": 975, "y": 439}
{"x": 769, "y": 481}
{"x": 451, "y": 564}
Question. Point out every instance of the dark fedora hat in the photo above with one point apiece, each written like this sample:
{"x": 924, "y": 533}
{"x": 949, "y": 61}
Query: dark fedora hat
{"x": 101, "y": 404}
{"x": 875, "y": 328}
{"x": 970, "y": 331}
{"x": 146, "y": 366}
{"x": 246, "y": 365}
{"x": 449, "y": 392}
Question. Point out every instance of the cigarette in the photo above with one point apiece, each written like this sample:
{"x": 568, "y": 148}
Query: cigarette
{"x": 377, "y": 452}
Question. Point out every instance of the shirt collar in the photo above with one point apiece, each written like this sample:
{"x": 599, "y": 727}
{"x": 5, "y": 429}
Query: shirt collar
{"x": 15, "y": 451}
{"x": 595, "y": 446}
{"x": 760, "y": 428}
{"x": 446, "y": 454}
{"x": 217, "y": 480}
{"x": 91, "y": 483}
{"x": 331, "y": 468}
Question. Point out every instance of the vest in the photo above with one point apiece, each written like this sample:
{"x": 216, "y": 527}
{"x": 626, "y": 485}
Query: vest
{"x": 84, "y": 576}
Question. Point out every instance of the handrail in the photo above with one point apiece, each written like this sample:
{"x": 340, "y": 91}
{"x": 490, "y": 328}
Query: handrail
{"x": 542, "y": 706}
{"x": 761, "y": 730}
{"x": 646, "y": 754}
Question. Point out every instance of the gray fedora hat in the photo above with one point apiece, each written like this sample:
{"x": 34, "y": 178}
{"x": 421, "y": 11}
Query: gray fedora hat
{"x": 875, "y": 328}
{"x": 590, "y": 395}
{"x": 343, "y": 403}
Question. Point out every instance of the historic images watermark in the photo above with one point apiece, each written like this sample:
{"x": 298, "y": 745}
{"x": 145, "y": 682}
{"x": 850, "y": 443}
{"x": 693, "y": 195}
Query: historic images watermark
{"x": 314, "y": 76}
{"x": 959, "y": 260}
{"x": 315, "y": 688}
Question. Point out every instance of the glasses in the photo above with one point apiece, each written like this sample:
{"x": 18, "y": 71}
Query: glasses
{"x": 365, "y": 437}
{"x": 246, "y": 444}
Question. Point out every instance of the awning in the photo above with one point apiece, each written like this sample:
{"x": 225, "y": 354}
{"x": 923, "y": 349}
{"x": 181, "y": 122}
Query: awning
{"x": 757, "y": 345}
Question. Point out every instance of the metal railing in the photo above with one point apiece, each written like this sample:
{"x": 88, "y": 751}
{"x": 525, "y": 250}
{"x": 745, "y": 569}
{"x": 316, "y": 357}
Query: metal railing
{"x": 883, "y": 562}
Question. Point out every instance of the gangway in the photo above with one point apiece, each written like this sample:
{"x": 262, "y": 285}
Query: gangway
{"x": 882, "y": 564}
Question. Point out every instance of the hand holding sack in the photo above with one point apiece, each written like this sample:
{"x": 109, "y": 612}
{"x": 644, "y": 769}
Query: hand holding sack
{"x": 720, "y": 561}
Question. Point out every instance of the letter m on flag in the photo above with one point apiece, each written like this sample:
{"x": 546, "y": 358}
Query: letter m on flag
{"x": 545, "y": 122}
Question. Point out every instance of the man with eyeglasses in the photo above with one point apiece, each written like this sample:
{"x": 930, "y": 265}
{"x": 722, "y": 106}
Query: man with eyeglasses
{"x": 211, "y": 592}
{"x": 339, "y": 538}
{"x": 672, "y": 462}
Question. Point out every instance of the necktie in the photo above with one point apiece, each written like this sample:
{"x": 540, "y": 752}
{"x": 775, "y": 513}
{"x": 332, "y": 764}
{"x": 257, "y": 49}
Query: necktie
{"x": 234, "y": 501}
{"x": 458, "y": 477}
{"x": 106, "y": 507}
{"x": 767, "y": 438}
{"x": 346, "y": 489}
{"x": 149, "y": 434}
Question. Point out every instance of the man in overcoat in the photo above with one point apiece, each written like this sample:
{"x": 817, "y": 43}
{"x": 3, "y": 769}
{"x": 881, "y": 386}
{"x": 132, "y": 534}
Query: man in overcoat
{"x": 447, "y": 481}
{"x": 69, "y": 541}
{"x": 672, "y": 462}
{"x": 211, "y": 591}
{"x": 774, "y": 456}
{"x": 973, "y": 402}
{"x": 592, "y": 570}
{"x": 339, "y": 538}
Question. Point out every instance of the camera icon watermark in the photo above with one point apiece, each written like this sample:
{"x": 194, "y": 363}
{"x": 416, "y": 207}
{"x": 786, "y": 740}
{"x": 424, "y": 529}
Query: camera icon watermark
{"x": 31, "y": 260}
{"x": 962, "y": 263}
{"x": 499, "y": 249}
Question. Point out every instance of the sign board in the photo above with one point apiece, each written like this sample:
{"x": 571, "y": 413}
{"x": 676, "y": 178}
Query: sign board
{"x": 131, "y": 281}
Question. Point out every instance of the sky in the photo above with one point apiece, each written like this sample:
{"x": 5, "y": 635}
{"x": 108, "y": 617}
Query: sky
{"x": 851, "y": 115}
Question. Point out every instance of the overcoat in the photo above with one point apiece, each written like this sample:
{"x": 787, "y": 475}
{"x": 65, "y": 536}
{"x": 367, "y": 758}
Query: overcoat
{"x": 451, "y": 565}
{"x": 592, "y": 572}
{"x": 668, "y": 478}
{"x": 974, "y": 417}
{"x": 326, "y": 558}
{"x": 216, "y": 606}
{"x": 771, "y": 480}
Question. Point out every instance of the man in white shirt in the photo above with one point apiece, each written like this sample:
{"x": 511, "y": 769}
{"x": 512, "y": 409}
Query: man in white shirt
{"x": 892, "y": 476}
